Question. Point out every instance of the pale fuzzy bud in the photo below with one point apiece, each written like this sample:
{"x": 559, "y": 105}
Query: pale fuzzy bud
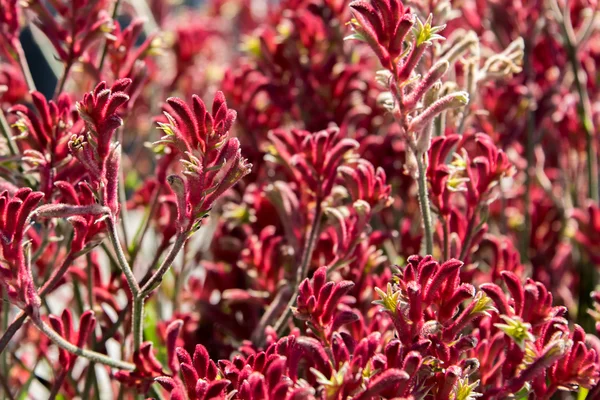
{"x": 434, "y": 74}
{"x": 471, "y": 72}
{"x": 384, "y": 78}
{"x": 111, "y": 193}
{"x": 433, "y": 94}
{"x": 410, "y": 164}
{"x": 504, "y": 64}
{"x": 178, "y": 187}
{"x": 69, "y": 210}
{"x": 424, "y": 139}
{"x": 387, "y": 101}
{"x": 444, "y": 11}
{"x": 470, "y": 41}
{"x": 453, "y": 100}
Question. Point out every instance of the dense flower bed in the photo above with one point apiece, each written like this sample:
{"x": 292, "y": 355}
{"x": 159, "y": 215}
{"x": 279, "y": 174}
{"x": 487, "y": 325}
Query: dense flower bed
{"x": 309, "y": 199}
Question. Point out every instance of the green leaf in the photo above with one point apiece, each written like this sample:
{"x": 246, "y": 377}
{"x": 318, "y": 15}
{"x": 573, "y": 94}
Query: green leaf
{"x": 355, "y": 36}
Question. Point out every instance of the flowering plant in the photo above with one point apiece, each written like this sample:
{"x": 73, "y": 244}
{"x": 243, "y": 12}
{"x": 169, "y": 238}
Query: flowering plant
{"x": 373, "y": 199}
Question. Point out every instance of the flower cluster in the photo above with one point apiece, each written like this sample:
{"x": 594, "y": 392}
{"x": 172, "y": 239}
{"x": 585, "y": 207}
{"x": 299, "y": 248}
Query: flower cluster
{"x": 373, "y": 199}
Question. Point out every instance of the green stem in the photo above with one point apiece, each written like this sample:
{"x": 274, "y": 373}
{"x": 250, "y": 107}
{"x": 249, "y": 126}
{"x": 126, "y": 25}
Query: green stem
{"x": 138, "y": 238}
{"x": 90, "y": 377}
{"x": 424, "y": 202}
{"x": 529, "y": 154}
{"x": 302, "y": 272}
{"x": 5, "y": 128}
{"x": 138, "y": 301}
{"x": 71, "y": 348}
{"x": 24, "y": 66}
{"x": 584, "y": 106}
{"x": 105, "y": 49}
{"x": 45, "y": 289}
{"x": 121, "y": 259}
{"x": 5, "y": 319}
{"x": 63, "y": 79}
{"x": 154, "y": 281}
{"x": 466, "y": 247}
{"x": 138, "y": 322}
{"x": 166, "y": 264}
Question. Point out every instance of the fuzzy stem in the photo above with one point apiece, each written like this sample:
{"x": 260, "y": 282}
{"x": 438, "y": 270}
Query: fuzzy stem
{"x": 11, "y": 330}
{"x": 63, "y": 79}
{"x": 138, "y": 238}
{"x": 57, "y": 384}
{"x": 529, "y": 154}
{"x": 584, "y": 107}
{"x": 105, "y": 48}
{"x": 121, "y": 259}
{"x": 45, "y": 289}
{"x": 446, "y": 227}
{"x": 424, "y": 202}
{"x": 90, "y": 377}
{"x": 24, "y": 66}
{"x": 138, "y": 303}
{"x": 5, "y": 128}
{"x": 71, "y": 348}
{"x": 155, "y": 279}
{"x": 584, "y": 111}
{"x": 138, "y": 322}
{"x": 5, "y": 386}
{"x": 464, "y": 252}
{"x": 166, "y": 264}
{"x": 270, "y": 313}
{"x": 302, "y": 272}
{"x": 5, "y": 324}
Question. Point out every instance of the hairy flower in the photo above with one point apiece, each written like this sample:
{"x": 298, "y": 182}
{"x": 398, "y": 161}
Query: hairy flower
{"x": 15, "y": 268}
{"x": 211, "y": 159}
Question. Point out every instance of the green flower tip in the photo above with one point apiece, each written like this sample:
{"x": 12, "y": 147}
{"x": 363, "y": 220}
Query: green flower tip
{"x": 425, "y": 33}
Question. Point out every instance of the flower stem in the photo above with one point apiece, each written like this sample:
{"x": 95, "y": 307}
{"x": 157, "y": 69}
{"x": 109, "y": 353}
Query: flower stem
{"x": 155, "y": 279}
{"x": 5, "y": 128}
{"x": 24, "y": 66}
{"x": 166, "y": 264}
{"x": 71, "y": 348}
{"x": 138, "y": 238}
{"x": 45, "y": 289}
{"x": 584, "y": 106}
{"x": 11, "y": 330}
{"x": 138, "y": 301}
{"x": 63, "y": 80}
{"x": 302, "y": 272}
{"x": 424, "y": 202}
{"x": 121, "y": 259}
{"x": 584, "y": 110}
{"x": 105, "y": 48}
{"x": 138, "y": 322}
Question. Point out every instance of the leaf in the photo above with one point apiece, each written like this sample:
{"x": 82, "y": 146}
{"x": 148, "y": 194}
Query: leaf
{"x": 355, "y": 36}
